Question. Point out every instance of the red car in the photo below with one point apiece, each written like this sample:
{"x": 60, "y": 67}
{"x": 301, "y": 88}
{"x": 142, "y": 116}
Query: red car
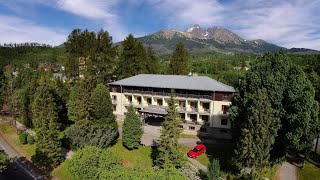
{"x": 197, "y": 151}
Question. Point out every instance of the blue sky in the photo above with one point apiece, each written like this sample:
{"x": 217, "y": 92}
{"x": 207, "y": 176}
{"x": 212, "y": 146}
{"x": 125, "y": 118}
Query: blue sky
{"x": 289, "y": 23}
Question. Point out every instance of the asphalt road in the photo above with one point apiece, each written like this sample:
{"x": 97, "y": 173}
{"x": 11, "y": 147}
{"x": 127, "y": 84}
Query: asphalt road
{"x": 16, "y": 170}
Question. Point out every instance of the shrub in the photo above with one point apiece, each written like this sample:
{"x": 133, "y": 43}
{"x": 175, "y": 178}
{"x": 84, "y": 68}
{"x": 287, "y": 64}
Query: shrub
{"x": 86, "y": 133}
{"x": 214, "y": 172}
{"x": 23, "y": 138}
{"x": 30, "y": 139}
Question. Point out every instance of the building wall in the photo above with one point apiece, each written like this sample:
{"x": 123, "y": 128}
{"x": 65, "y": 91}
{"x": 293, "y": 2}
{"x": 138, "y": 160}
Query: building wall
{"x": 215, "y": 107}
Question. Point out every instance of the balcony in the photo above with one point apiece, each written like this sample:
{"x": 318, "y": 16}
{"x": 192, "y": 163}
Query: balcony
{"x": 223, "y": 113}
{"x": 181, "y": 109}
{"x": 195, "y": 96}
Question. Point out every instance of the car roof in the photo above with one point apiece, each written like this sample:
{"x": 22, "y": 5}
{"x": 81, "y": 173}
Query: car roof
{"x": 199, "y": 146}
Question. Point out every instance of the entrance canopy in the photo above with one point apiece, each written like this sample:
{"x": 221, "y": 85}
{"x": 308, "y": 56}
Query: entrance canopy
{"x": 154, "y": 110}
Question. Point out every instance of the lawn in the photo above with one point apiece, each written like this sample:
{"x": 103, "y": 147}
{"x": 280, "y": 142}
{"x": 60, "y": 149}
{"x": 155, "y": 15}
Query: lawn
{"x": 310, "y": 171}
{"x": 139, "y": 158}
{"x": 9, "y": 134}
{"x": 61, "y": 172}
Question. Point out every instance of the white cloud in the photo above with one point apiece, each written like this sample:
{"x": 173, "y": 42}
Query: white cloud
{"x": 98, "y": 10}
{"x": 18, "y": 30}
{"x": 180, "y": 13}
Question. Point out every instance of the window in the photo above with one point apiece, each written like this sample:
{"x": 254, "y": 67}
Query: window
{"x": 180, "y": 126}
{"x": 227, "y": 97}
{"x": 224, "y": 109}
{"x": 224, "y": 122}
{"x": 159, "y": 102}
{"x": 192, "y": 128}
{"x": 139, "y": 100}
{"x": 114, "y": 98}
{"x": 149, "y": 101}
{"x": 182, "y": 104}
{"x": 129, "y": 99}
{"x": 114, "y": 108}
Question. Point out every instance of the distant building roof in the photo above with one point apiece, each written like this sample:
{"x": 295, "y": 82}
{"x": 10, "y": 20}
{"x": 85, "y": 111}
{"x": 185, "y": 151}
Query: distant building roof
{"x": 201, "y": 83}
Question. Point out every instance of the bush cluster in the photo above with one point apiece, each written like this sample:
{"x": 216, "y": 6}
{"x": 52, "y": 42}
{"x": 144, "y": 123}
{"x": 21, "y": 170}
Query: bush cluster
{"x": 26, "y": 138}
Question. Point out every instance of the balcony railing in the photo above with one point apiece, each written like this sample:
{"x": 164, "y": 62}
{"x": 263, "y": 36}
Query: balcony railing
{"x": 196, "y": 96}
{"x": 223, "y": 113}
{"x": 194, "y": 109}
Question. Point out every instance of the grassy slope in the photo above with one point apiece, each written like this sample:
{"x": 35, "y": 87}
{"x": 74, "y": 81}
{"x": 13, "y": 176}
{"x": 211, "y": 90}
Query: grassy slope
{"x": 9, "y": 133}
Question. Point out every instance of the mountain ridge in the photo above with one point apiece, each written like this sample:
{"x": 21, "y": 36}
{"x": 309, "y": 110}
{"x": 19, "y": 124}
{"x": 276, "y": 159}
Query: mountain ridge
{"x": 215, "y": 38}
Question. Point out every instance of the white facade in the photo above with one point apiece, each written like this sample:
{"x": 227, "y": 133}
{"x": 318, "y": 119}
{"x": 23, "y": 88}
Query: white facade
{"x": 196, "y": 110}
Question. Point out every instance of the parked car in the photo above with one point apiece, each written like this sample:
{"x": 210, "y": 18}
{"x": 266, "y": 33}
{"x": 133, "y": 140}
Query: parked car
{"x": 197, "y": 151}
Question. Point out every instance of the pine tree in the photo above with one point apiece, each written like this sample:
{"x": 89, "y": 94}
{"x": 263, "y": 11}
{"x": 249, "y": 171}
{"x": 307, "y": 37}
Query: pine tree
{"x": 153, "y": 62}
{"x": 179, "y": 64}
{"x": 131, "y": 130}
{"x": 45, "y": 120}
{"x": 105, "y": 59}
{"x": 79, "y": 105}
{"x": 253, "y": 149}
{"x": 170, "y": 154}
{"x": 132, "y": 58}
{"x": 102, "y": 106}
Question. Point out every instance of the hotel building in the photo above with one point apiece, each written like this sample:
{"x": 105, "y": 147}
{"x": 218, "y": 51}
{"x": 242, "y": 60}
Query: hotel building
{"x": 201, "y": 101}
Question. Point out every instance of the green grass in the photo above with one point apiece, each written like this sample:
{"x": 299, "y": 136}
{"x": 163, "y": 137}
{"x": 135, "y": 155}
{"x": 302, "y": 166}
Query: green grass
{"x": 191, "y": 136}
{"x": 138, "y": 158}
{"x": 309, "y": 172}
{"x": 203, "y": 158}
{"x": 9, "y": 134}
{"x": 61, "y": 172}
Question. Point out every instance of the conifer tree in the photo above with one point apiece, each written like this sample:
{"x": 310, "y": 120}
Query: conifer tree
{"x": 79, "y": 105}
{"x": 132, "y": 58}
{"x": 179, "y": 64}
{"x": 45, "y": 120}
{"x": 214, "y": 172}
{"x": 102, "y": 106}
{"x": 253, "y": 149}
{"x": 131, "y": 130}
{"x": 170, "y": 154}
{"x": 153, "y": 62}
{"x": 2, "y": 86}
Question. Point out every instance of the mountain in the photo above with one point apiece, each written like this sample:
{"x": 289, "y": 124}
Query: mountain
{"x": 198, "y": 39}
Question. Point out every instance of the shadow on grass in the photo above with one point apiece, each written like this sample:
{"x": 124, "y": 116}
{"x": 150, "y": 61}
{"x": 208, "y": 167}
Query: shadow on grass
{"x": 220, "y": 149}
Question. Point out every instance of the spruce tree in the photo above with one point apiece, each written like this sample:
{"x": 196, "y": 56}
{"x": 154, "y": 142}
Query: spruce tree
{"x": 153, "y": 62}
{"x": 253, "y": 149}
{"x": 79, "y": 105}
{"x": 170, "y": 154}
{"x": 179, "y": 64}
{"x": 102, "y": 106}
{"x": 131, "y": 130}
{"x": 45, "y": 121}
{"x": 132, "y": 58}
